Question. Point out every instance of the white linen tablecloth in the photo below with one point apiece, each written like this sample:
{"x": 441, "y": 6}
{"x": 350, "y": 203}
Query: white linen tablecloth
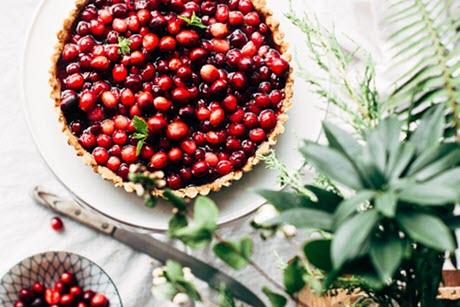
{"x": 24, "y": 227}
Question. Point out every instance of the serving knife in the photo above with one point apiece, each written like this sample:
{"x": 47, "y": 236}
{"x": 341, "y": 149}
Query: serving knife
{"x": 146, "y": 244}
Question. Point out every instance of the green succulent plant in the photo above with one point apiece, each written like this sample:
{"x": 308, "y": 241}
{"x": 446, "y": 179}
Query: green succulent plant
{"x": 402, "y": 196}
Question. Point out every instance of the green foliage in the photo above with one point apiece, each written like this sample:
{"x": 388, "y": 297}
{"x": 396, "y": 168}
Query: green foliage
{"x": 142, "y": 133}
{"x": 293, "y": 276}
{"x": 404, "y": 194}
{"x": 200, "y": 230}
{"x": 277, "y": 300}
{"x": 426, "y": 34}
{"x": 358, "y": 101}
{"x": 235, "y": 254}
{"x": 193, "y": 21}
{"x": 225, "y": 298}
{"x": 175, "y": 276}
{"x": 123, "y": 45}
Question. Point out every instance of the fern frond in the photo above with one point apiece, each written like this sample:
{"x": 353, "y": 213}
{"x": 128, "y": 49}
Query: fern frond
{"x": 425, "y": 44}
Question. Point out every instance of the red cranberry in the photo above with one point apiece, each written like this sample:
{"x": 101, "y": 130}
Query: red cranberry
{"x": 177, "y": 130}
{"x": 101, "y": 155}
{"x": 175, "y": 154}
{"x": 38, "y": 288}
{"x": 180, "y": 94}
{"x": 220, "y": 45}
{"x": 109, "y": 100}
{"x": 209, "y": 73}
{"x": 224, "y": 167}
{"x": 257, "y": 135}
{"x": 278, "y": 65}
{"x": 167, "y": 43}
{"x": 75, "y": 291}
{"x": 87, "y": 140}
{"x": 57, "y": 224}
{"x": 198, "y": 54}
{"x": 52, "y": 297}
{"x": 74, "y": 82}
{"x": 119, "y": 73}
{"x": 174, "y": 181}
{"x": 66, "y": 300}
{"x": 267, "y": 119}
{"x": 99, "y": 300}
{"x": 222, "y": 13}
{"x": 235, "y": 18}
{"x": 159, "y": 160}
{"x": 70, "y": 52}
{"x": 200, "y": 169}
{"x": 121, "y": 122}
{"x": 238, "y": 80}
{"x": 128, "y": 154}
{"x": 113, "y": 163}
{"x": 119, "y": 137}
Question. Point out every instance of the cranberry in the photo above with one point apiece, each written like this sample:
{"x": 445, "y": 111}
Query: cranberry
{"x": 174, "y": 181}
{"x": 119, "y": 73}
{"x": 113, "y": 163}
{"x": 87, "y": 140}
{"x": 200, "y": 169}
{"x": 167, "y": 43}
{"x": 52, "y": 297}
{"x": 267, "y": 119}
{"x": 159, "y": 160}
{"x": 278, "y": 65}
{"x": 74, "y": 81}
{"x": 101, "y": 155}
{"x": 99, "y": 300}
{"x": 180, "y": 94}
{"x": 120, "y": 137}
{"x": 70, "y": 52}
{"x": 75, "y": 291}
{"x": 220, "y": 45}
{"x": 209, "y": 73}
{"x": 177, "y": 130}
{"x": 257, "y": 135}
{"x": 224, "y": 167}
{"x": 57, "y": 224}
{"x": 235, "y": 18}
{"x": 222, "y": 13}
{"x": 128, "y": 154}
{"x": 38, "y": 288}
{"x": 175, "y": 154}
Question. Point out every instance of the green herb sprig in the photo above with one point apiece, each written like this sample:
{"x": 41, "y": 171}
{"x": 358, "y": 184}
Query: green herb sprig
{"x": 193, "y": 21}
{"x": 142, "y": 133}
{"x": 123, "y": 44}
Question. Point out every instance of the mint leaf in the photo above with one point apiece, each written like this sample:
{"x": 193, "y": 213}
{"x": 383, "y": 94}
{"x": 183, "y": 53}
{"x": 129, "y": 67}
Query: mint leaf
{"x": 194, "y": 21}
{"x": 142, "y": 133}
{"x": 123, "y": 44}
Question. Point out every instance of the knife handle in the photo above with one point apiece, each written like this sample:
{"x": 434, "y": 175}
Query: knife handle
{"x": 71, "y": 209}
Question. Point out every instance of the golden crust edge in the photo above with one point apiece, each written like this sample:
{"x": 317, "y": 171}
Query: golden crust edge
{"x": 191, "y": 191}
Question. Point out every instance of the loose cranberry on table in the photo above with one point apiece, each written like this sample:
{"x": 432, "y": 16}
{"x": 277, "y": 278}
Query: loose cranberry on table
{"x": 209, "y": 91}
{"x": 64, "y": 293}
{"x": 57, "y": 224}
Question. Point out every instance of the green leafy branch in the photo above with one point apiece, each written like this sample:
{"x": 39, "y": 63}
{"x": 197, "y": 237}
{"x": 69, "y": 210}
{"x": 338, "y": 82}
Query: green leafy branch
{"x": 427, "y": 35}
{"x": 359, "y": 100}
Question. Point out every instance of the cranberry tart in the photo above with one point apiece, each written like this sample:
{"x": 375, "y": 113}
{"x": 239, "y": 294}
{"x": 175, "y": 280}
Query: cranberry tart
{"x": 192, "y": 89}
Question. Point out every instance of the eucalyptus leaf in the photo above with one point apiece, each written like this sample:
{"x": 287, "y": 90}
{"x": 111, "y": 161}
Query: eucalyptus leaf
{"x": 276, "y": 300}
{"x": 194, "y": 236}
{"x": 235, "y": 254}
{"x": 175, "y": 200}
{"x": 206, "y": 212}
{"x": 293, "y": 276}
{"x": 386, "y": 255}
{"x": 427, "y": 229}
{"x": 173, "y": 271}
{"x": 225, "y": 297}
{"x": 386, "y": 203}
{"x": 332, "y": 163}
{"x": 303, "y": 218}
{"x": 351, "y": 235}
{"x": 318, "y": 253}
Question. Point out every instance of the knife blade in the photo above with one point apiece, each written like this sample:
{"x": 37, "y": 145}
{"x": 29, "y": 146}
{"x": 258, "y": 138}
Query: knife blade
{"x": 146, "y": 244}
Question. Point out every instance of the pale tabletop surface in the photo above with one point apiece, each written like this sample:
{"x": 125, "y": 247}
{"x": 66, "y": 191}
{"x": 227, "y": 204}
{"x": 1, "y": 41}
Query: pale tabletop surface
{"x": 24, "y": 227}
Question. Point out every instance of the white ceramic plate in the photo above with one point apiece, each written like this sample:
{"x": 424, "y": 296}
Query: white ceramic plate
{"x": 103, "y": 197}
